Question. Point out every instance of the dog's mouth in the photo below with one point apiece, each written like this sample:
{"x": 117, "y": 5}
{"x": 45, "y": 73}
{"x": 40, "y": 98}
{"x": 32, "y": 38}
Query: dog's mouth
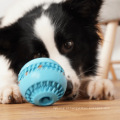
{"x": 69, "y": 88}
{"x": 72, "y": 91}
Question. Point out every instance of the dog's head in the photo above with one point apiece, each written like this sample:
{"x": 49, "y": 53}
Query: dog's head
{"x": 64, "y": 31}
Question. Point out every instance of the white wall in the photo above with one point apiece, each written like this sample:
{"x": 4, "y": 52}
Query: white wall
{"x": 111, "y": 10}
{"x": 5, "y": 4}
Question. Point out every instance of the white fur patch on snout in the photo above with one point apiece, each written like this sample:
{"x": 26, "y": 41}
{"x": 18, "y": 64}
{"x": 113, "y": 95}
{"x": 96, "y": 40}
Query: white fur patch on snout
{"x": 44, "y": 30}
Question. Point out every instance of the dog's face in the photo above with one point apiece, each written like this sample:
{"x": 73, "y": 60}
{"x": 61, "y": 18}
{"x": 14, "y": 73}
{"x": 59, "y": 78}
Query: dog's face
{"x": 65, "y": 32}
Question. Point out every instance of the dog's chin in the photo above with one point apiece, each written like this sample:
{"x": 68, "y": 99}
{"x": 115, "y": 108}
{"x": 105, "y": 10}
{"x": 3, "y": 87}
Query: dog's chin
{"x": 70, "y": 97}
{"x": 73, "y": 96}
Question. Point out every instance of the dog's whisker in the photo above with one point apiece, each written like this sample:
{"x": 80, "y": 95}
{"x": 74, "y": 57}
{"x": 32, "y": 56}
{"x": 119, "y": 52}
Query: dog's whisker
{"x": 88, "y": 70}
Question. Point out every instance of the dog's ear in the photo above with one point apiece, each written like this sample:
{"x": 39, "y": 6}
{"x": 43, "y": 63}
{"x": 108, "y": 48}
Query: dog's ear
{"x": 83, "y": 8}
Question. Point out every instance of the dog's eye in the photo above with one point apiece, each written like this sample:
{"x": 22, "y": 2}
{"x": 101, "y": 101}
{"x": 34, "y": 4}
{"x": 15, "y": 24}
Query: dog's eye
{"x": 67, "y": 47}
{"x": 39, "y": 55}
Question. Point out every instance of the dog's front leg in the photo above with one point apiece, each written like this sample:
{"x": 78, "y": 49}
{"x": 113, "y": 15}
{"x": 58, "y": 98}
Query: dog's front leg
{"x": 9, "y": 90}
{"x": 94, "y": 88}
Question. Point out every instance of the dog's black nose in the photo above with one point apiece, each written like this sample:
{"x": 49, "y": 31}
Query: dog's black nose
{"x": 69, "y": 88}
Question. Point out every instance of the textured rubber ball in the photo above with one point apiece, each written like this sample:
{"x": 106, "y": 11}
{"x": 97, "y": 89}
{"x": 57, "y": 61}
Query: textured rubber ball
{"x": 42, "y": 81}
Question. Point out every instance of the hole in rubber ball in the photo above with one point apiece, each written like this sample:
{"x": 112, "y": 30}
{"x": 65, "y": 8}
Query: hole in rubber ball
{"x": 46, "y": 101}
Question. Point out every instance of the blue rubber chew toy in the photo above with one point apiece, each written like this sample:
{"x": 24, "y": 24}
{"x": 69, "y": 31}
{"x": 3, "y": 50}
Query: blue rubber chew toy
{"x": 42, "y": 82}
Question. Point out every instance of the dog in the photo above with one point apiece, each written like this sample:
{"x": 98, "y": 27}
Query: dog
{"x": 63, "y": 30}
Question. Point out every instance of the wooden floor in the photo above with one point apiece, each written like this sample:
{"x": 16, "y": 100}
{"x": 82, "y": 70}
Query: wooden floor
{"x": 77, "y": 110}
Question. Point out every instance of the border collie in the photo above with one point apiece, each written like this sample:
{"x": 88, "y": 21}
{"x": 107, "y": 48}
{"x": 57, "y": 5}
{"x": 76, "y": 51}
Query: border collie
{"x": 63, "y": 30}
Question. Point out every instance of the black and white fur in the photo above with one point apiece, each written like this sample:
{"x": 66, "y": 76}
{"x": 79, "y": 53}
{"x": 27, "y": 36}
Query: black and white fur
{"x": 63, "y": 30}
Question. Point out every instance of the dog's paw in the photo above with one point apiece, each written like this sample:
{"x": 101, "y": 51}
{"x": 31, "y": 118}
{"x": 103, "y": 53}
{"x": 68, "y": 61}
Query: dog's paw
{"x": 10, "y": 94}
{"x": 100, "y": 89}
